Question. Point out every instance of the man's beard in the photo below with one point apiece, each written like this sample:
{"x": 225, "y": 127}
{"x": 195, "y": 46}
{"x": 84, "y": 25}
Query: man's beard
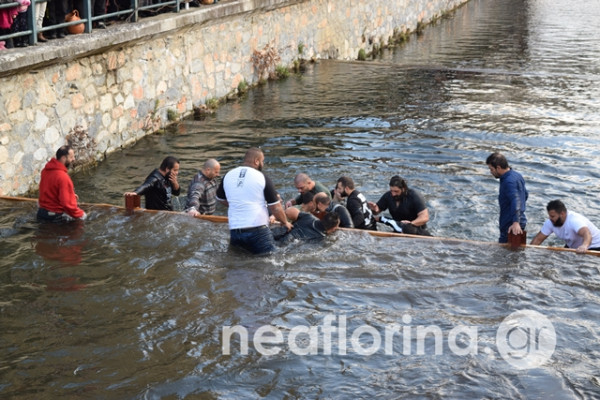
{"x": 559, "y": 222}
{"x": 399, "y": 197}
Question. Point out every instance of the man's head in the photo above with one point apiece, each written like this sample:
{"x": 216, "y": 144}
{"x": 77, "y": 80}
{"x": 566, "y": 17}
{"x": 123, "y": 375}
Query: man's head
{"x": 497, "y": 164}
{"x": 307, "y": 203}
{"x": 398, "y": 187}
{"x": 344, "y": 186}
{"x": 557, "y": 212}
{"x": 255, "y": 158}
{"x": 331, "y": 221}
{"x": 322, "y": 201}
{"x": 169, "y": 166}
{"x": 303, "y": 183}
{"x": 65, "y": 155}
{"x": 211, "y": 168}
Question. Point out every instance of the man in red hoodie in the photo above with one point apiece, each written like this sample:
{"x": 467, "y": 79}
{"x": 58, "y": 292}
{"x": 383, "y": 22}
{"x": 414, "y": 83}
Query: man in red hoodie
{"x": 58, "y": 200}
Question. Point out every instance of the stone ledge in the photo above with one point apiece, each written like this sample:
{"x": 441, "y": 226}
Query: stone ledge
{"x": 75, "y": 46}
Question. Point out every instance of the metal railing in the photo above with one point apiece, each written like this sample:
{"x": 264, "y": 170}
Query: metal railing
{"x": 31, "y": 33}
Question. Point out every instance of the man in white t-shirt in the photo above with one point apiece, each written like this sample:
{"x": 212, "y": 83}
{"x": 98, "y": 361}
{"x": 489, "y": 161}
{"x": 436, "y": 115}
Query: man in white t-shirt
{"x": 250, "y": 195}
{"x": 573, "y": 228}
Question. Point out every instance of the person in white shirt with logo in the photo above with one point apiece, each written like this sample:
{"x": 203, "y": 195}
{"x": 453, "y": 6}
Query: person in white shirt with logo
{"x": 575, "y": 229}
{"x": 250, "y": 195}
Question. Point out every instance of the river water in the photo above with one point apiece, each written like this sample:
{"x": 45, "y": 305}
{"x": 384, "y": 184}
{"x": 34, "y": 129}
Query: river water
{"x": 136, "y": 306}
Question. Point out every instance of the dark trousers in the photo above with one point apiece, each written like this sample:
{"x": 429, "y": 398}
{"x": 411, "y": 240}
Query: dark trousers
{"x": 57, "y": 10}
{"x": 257, "y": 240}
{"x": 45, "y": 215}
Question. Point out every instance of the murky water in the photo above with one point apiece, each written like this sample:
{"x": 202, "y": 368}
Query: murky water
{"x": 134, "y": 306}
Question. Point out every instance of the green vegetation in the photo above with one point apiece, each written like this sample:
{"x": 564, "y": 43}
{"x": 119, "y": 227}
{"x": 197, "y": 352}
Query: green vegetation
{"x": 212, "y": 103}
{"x": 282, "y": 71}
{"x": 362, "y": 55}
{"x": 300, "y": 48}
{"x": 242, "y": 87}
{"x": 172, "y": 115}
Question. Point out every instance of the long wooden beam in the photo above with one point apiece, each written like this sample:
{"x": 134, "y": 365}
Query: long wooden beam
{"x": 223, "y": 219}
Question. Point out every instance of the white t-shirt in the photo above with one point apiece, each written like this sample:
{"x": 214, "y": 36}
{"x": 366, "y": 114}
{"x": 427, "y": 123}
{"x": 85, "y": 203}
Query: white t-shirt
{"x": 248, "y": 193}
{"x": 568, "y": 232}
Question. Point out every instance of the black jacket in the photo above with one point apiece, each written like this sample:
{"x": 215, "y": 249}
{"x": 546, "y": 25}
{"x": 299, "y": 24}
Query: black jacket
{"x": 158, "y": 191}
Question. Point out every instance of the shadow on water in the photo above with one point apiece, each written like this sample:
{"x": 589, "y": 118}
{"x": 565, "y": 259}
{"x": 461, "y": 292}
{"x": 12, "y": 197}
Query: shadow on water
{"x": 131, "y": 306}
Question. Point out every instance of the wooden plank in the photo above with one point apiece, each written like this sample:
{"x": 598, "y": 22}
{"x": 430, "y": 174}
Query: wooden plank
{"x": 223, "y": 219}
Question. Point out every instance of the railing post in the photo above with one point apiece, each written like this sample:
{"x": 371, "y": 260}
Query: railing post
{"x": 87, "y": 14}
{"x": 134, "y": 3}
{"x": 32, "y": 22}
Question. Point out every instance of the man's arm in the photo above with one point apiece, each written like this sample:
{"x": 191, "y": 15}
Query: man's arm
{"x": 279, "y": 214}
{"x": 141, "y": 190}
{"x": 422, "y": 218}
{"x": 193, "y": 201}
{"x": 538, "y": 239}
{"x": 587, "y": 239}
{"x": 354, "y": 208}
{"x": 221, "y": 196}
{"x": 68, "y": 199}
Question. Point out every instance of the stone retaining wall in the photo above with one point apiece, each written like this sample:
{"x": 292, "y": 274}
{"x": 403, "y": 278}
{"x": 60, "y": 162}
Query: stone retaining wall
{"x": 110, "y": 88}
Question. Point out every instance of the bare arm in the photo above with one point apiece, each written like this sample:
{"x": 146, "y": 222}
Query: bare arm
{"x": 421, "y": 219}
{"x": 279, "y": 215}
{"x": 587, "y": 239}
{"x": 538, "y": 239}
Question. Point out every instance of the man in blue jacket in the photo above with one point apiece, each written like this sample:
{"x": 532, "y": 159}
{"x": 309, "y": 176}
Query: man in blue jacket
{"x": 512, "y": 196}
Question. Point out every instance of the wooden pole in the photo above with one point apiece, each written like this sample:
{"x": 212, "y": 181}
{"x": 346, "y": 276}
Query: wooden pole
{"x": 223, "y": 219}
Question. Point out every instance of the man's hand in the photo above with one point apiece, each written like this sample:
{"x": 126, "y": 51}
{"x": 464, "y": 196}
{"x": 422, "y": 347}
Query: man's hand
{"x": 515, "y": 229}
{"x": 174, "y": 183}
{"x": 373, "y": 206}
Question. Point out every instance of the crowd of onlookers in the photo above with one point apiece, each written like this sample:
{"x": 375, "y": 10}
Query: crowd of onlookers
{"x": 15, "y": 16}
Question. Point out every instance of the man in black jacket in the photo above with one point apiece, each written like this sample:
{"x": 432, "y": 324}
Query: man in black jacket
{"x": 160, "y": 186}
{"x": 356, "y": 203}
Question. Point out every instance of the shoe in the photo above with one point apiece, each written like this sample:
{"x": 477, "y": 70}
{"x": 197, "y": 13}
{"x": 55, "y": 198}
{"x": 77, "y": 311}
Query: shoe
{"x": 41, "y": 38}
{"x": 21, "y": 44}
{"x": 60, "y": 34}
{"x": 50, "y": 36}
{"x": 99, "y": 25}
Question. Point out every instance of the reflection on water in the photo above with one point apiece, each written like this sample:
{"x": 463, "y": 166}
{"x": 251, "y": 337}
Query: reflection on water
{"x": 130, "y": 306}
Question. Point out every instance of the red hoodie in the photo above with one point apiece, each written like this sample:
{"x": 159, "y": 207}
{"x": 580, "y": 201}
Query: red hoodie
{"x": 56, "y": 190}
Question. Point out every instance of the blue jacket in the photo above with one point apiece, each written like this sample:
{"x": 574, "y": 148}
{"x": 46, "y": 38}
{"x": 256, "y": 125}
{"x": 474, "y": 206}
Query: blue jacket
{"x": 512, "y": 198}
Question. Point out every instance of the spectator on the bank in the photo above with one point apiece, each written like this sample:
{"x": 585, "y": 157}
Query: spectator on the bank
{"x": 20, "y": 24}
{"x": 99, "y": 8}
{"x": 57, "y": 11}
{"x": 40, "y": 12}
{"x": 7, "y": 17}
